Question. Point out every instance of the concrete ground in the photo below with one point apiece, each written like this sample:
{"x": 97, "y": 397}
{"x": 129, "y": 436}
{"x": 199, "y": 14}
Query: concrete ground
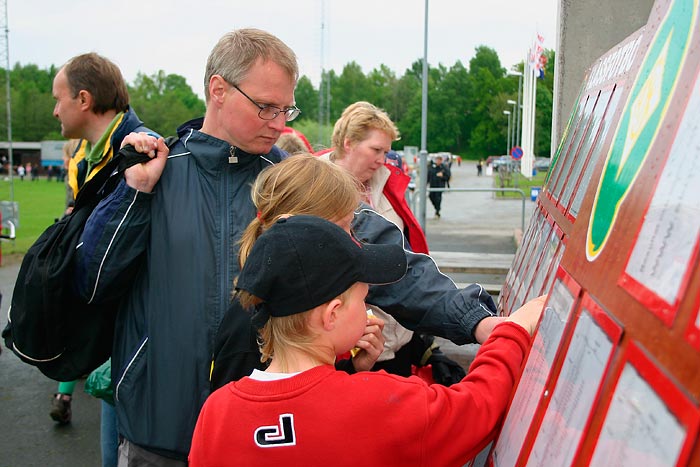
{"x": 474, "y": 222}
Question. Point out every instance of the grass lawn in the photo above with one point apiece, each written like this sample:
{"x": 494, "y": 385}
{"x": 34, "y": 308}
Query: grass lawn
{"x": 518, "y": 181}
{"x": 39, "y": 203}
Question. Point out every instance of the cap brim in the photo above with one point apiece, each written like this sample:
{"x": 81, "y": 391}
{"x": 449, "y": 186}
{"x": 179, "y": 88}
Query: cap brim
{"x": 382, "y": 264}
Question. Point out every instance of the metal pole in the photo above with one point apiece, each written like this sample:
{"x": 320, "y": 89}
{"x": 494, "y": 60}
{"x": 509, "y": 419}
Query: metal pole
{"x": 9, "y": 116}
{"x": 509, "y": 146}
{"x": 424, "y": 127}
{"x": 507, "y": 112}
{"x": 518, "y": 111}
{"x": 321, "y": 84}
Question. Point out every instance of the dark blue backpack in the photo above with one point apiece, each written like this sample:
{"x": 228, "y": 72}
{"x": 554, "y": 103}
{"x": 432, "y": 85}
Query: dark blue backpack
{"x": 48, "y": 325}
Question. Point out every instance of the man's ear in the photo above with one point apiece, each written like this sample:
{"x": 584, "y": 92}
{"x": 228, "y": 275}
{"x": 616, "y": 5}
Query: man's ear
{"x": 85, "y": 100}
{"x": 217, "y": 88}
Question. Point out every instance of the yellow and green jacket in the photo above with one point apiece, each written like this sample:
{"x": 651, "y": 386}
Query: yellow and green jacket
{"x": 79, "y": 168}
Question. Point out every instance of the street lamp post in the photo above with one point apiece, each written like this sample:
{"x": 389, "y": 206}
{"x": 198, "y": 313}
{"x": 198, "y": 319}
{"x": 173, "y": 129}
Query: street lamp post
{"x": 507, "y": 112}
{"x": 518, "y": 107}
{"x": 513, "y": 140}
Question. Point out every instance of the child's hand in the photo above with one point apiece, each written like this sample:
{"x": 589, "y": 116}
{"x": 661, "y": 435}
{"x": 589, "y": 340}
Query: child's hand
{"x": 371, "y": 345}
{"x": 528, "y": 315}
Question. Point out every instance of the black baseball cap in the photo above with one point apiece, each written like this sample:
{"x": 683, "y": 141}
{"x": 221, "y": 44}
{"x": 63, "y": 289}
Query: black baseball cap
{"x": 302, "y": 262}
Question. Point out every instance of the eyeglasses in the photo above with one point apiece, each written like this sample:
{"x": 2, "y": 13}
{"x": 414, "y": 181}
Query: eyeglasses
{"x": 270, "y": 112}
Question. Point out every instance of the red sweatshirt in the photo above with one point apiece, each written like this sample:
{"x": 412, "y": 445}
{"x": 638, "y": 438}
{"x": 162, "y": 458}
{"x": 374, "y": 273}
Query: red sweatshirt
{"x": 323, "y": 417}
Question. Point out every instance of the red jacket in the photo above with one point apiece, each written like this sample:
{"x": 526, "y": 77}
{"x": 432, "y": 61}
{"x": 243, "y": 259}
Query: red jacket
{"x": 324, "y": 417}
{"x": 395, "y": 192}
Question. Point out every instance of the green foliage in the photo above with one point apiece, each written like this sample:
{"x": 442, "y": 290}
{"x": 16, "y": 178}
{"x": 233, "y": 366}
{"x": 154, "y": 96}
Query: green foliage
{"x": 164, "y": 102}
{"x": 31, "y": 103}
{"x": 319, "y": 137}
{"x": 306, "y": 99}
{"x": 518, "y": 180}
{"x": 465, "y": 104}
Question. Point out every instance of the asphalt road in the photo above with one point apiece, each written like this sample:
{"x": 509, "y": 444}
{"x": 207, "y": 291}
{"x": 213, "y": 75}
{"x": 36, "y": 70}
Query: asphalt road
{"x": 475, "y": 222}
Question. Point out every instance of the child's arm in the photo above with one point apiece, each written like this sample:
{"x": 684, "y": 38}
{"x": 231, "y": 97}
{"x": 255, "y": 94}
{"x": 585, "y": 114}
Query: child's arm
{"x": 466, "y": 414}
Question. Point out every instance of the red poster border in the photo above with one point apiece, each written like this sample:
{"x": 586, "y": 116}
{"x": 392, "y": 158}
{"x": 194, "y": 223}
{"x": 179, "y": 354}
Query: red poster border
{"x": 513, "y": 292}
{"x": 614, "y": 331}
{"x": 674, "y": 397}
{"x": 534, "y": 260}
{"x": 538, "y": 216}
{"x": 575, "y": 290}
{"x": 561, "y": 203}
{"x": 614, "y": 89}
{"x": 664, "y": 310}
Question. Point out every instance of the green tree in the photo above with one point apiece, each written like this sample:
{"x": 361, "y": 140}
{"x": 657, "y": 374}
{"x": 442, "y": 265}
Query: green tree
{"x": 32, "y": 103}
{"x": 306, "y": 99}
{"x": 164, "y": 101}
{"x": 486, "y": 103}
{"x": 351, "y": 86}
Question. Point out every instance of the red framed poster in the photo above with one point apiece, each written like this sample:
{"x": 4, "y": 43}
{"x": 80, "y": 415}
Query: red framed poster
{"x": 649, "y": 420}
{"x": 530, "y": 267}
{"x": 565, "y": 163}
{"x": 527, "y": 261}
{"x": 666, "y": 249}
{"x": 600, "y": 148}
{"x": 512, "y": 278}
{"x": 529, "y": 393}
{"x": 550, "y": 255}
{"x": 577, "y": 388}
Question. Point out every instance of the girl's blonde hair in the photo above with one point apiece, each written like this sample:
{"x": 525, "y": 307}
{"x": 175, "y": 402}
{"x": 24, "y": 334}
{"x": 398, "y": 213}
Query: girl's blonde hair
{"x": 301, "y": 184}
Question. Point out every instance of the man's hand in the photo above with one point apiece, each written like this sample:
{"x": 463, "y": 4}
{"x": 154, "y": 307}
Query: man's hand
{"x": 371, "y": 343}
{"x": 143, "y": 177}
{"x": 528, "y": 315}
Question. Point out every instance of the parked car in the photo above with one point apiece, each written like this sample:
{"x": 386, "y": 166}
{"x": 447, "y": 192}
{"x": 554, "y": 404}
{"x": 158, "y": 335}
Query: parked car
{"x": 502, "y": 161}
{"x": 542, "y": 163}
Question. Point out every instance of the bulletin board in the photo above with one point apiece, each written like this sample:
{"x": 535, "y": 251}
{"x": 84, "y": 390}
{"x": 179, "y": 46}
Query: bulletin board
{"x": 615, "y": 242}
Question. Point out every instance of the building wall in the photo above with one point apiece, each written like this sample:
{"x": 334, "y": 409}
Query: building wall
{"x": 587, "y": 30}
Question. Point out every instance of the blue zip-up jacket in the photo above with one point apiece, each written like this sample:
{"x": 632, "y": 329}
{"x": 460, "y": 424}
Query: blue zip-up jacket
{"x": 175, "y": 253}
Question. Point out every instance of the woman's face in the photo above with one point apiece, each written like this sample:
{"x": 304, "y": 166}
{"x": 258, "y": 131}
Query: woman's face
{"x": 364, "y": 158}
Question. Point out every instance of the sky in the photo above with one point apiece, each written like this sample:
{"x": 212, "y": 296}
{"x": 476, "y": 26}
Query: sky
{"x": 176, "y": 36}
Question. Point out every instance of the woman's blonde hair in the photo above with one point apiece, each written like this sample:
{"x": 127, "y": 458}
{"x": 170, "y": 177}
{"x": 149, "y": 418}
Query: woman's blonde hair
{"x": 301, "y": 184}
{"x": 354, "y": 124}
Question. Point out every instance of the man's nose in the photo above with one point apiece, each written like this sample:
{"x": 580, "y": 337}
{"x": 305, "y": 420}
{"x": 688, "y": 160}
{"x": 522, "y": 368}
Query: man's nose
{"x": 279, "y": 122}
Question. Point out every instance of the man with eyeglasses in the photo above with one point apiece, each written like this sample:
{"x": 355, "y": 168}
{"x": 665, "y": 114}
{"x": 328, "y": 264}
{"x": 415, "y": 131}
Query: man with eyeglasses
{"x": 166, "y": 241}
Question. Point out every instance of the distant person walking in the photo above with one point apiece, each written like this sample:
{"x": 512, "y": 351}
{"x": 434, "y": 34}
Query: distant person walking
{"x": 438, "y": 177}
{"x": 479, "y": 167}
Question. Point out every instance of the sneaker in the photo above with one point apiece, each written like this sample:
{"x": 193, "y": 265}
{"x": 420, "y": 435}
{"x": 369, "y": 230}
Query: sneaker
{"x": 60, "y": 408}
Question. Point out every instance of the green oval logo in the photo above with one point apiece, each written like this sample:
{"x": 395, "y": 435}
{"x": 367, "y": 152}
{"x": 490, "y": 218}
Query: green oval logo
{"x": 641, "y": 119}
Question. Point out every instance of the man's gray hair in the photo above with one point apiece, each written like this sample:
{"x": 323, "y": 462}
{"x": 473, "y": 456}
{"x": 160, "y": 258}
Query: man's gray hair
{"x": 237, "y": 51}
